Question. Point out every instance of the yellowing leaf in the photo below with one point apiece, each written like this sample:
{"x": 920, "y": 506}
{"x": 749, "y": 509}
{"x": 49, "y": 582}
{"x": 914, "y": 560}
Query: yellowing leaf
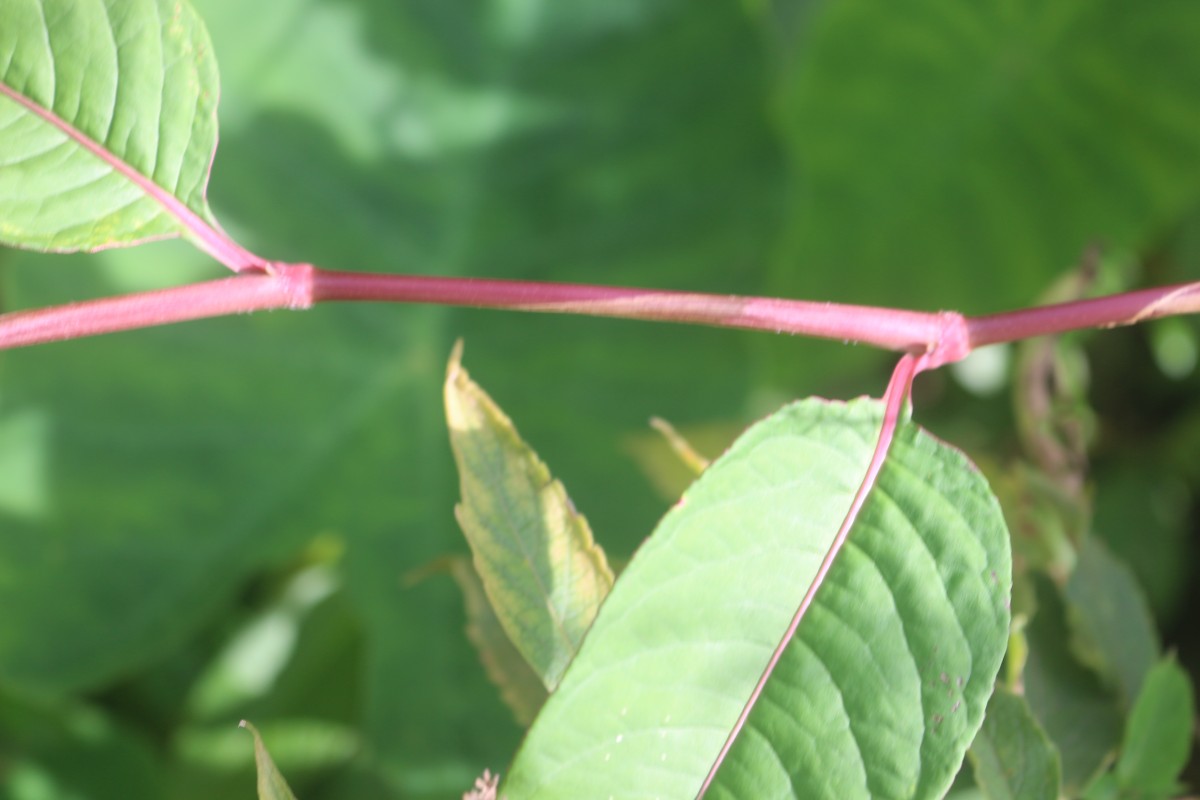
{"x": 271, "y": 785}
{"x": 541, "y": 569}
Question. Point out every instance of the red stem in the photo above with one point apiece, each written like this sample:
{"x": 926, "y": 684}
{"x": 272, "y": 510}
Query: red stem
{"x": 884, "y": 327}
{"x": 1106, "y": 312}
{"x": 234, "y": 295}
{"x": 942, "y": 336}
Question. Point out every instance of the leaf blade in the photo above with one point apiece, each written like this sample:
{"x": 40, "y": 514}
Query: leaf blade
{"x": 684, "y": 636}
{"x": 108, "y": 124}
{"x": 271, "y": 783}
{"x": 1012, "y": 756}
{"x": 540, "y": 566}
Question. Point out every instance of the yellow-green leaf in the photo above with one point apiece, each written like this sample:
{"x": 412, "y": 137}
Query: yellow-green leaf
{"x": 542, "y": 571}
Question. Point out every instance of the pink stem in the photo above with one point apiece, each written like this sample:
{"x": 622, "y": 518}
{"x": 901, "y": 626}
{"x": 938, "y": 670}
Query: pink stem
{"x": 1112, "y": 311}
{"x": 884, "y": 327}
{"x": 233, "y": 295}
{"x": 897, "y": 394}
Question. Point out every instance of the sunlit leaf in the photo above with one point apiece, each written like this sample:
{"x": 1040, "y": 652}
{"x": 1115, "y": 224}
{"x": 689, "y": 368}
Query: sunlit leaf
{"x": 884, "y": 685}
{"x": 107, "y": 122}
{"x": 543, "y": 573}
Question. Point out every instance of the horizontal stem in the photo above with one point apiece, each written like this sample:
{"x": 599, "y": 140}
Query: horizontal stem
{"x": 941, "y": 337}
{"x": 234, "y": 295}
{"x": 890, "y": 328}
{"x": 1111, "y": 311}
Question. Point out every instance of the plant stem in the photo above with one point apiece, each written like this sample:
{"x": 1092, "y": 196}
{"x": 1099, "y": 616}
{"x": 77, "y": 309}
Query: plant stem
{"x": 239, "y": 294}
{"x": 941, "y": 336}
{"x": 1111, "y": 311}
{"x": 893, "y": 329}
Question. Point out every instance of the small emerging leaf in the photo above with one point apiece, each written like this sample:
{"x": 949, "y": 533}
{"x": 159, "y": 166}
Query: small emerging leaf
{"x": 1012, "y": 756}
{"x": 541, "y": 569}
{"x": 271, "y": 785}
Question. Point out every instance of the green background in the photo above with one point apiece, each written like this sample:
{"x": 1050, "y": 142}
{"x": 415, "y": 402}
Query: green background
{"x": 263, "y": 487}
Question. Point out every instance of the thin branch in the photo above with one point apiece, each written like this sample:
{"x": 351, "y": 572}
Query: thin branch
{"x": 1112, "y": 311}
{"x": 942, "y": 337}
{"x": 893, "y": 329}
{"x": 234, "y": 295}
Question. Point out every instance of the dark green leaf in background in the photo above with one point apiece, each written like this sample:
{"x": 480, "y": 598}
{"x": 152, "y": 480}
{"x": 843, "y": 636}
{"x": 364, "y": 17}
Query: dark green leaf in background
{"x": 1079, "y": 714}
{"x": 966, "y": 155}
{"x": 1012, "y": 756}
{"x": 1113, "y": 630}
{"x": 271, "y": 784}
{"x": 1159, "y": 734}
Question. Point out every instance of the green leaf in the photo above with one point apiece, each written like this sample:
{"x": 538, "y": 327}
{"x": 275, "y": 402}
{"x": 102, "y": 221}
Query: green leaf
{"x": 886, "y": 681}
{"x": 271, "y": 785}
{"x": 107, "y": 122}
{"x": 543, "y": 573}
{"x": 1158, "y": 735}
{"x": 1076, "y": 710}
{"x": 1113, "y": 631}
{"x": 520, "y": 687}
{"x": 987, "y": 144}
{"x": 1012, "y": 756}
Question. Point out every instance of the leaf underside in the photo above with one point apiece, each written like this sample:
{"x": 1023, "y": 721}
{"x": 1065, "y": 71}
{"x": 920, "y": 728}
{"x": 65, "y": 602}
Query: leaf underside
{"x": 107, "y": 113}
{"x": 884, "y": 685}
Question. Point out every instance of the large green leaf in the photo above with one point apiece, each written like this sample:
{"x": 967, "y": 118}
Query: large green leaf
{"x": 967, "y": 154}
{"x": 107, "y": 121}
{"x": 884, "y": 685}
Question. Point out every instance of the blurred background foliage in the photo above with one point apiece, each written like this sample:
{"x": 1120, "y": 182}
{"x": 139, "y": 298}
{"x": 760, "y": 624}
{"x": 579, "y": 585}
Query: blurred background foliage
{"x": 234, "y": 518}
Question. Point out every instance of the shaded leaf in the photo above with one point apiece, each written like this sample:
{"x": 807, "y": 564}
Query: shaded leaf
{"x": 107, "y": 122}
{"x": 271, "y": 784}
{"x": 1080, "y": 715}
{"x": 520, "y": 687}
{"x": 1012, "y": 756}
{"x": 1112, "y": 630}
{"x": 543, "y": 573}
{"x": 886, "y": 682}
{"x": 989, "y": 145}
{"x": 1158, "y": 736}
